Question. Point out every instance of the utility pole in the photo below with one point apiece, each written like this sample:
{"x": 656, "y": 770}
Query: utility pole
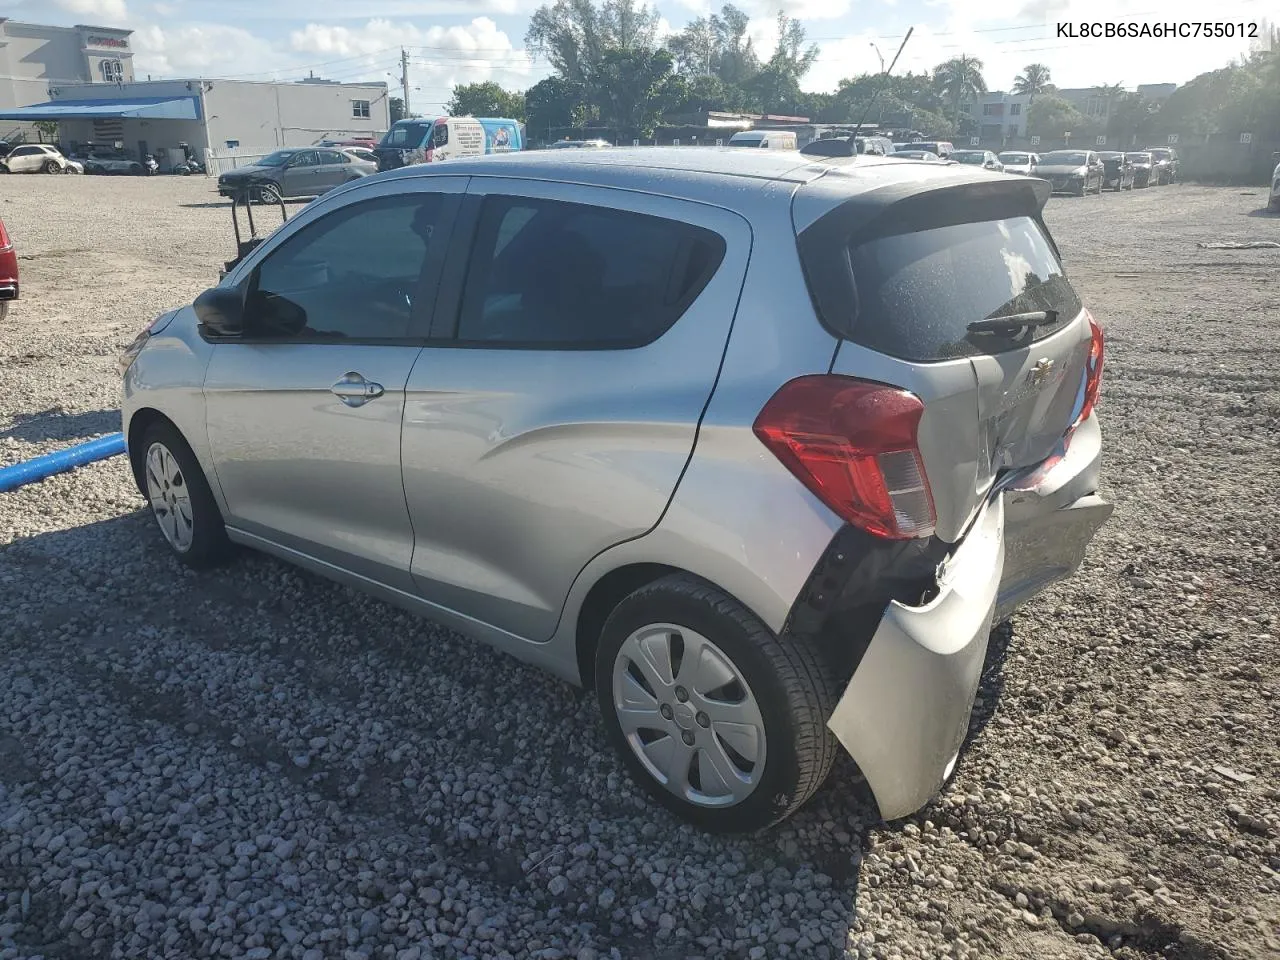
{"x": 404, "y": 79}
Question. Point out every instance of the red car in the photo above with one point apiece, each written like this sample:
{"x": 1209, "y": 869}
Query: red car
{"x": 8, "y": 272}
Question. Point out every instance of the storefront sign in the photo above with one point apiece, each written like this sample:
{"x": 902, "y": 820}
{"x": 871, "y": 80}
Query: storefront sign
{"x": 118, "y": 42}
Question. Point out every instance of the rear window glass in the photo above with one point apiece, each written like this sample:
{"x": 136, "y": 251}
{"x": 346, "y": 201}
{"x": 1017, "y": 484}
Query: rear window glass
{"x": 917, "y": 292}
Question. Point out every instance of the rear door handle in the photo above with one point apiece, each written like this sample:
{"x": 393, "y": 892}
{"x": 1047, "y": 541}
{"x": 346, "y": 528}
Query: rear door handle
{"x": 355, "y": 391}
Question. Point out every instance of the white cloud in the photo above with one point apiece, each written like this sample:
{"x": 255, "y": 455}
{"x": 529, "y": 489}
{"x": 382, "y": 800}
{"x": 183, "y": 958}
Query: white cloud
{"x": 440, "y": 57}
{"x": 200, "y": 50}
{"x": 99, "y": 11}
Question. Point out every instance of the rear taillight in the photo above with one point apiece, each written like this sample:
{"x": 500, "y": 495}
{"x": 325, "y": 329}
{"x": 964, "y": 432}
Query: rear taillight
{"x": 853, "y": 444}
{"x": 5, "y": 242}
{"x": 1092, "y": 371}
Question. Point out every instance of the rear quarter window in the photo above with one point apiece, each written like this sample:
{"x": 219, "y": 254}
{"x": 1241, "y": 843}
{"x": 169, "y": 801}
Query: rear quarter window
{"x": 917, "y": 292}
{"x": 546, "y": 273}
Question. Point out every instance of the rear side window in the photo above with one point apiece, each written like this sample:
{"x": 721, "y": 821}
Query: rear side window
{"x": 917, "y": 292}
{"x": 546, "y": 273}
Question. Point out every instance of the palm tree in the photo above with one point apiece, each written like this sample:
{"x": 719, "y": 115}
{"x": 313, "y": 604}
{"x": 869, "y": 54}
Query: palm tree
{"x": 958, "y": 78}
{"x": 1033, "y": 79}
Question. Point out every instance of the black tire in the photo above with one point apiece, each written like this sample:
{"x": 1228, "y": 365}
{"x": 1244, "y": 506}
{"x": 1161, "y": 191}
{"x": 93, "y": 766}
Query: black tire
{"x": 266, "y": 193}
{"x": 795, "y": 688}
{"x": 51, "y": 166}
{"x": 209, "y": 545}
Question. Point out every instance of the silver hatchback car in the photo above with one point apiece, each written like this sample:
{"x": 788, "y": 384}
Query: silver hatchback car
{"x": 759, "y": 446}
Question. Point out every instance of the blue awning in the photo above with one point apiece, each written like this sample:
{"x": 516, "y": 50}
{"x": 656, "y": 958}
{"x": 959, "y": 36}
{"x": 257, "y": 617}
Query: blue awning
{"x": 107, "y": 108}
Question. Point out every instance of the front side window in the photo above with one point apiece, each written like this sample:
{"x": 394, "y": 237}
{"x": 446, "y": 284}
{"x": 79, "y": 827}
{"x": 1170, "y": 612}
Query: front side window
{"x": 545, "y": 272}
{"x": 360, "y": 108}
{"x": 303, "y": 158}
{"x": 352, "y": 275}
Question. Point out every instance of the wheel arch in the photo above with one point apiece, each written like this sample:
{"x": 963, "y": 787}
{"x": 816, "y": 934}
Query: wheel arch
{"x": 142, "y": 420}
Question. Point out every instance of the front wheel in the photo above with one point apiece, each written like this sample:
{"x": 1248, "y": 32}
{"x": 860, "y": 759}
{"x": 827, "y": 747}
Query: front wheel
{"x": 722, "y": 722}
{"x": 181, "y": 501}
{"x": 267, "y": 193}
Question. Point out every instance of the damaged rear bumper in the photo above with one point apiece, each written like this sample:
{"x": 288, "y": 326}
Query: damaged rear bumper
{"x": 905, "y": 712}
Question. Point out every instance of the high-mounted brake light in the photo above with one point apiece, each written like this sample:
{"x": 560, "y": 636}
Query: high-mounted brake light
{"x": 853, "y": 444}
{"x": 1092, "y": 371}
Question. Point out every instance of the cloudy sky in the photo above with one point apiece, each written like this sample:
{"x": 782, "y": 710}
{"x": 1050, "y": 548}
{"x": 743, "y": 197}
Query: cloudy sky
{"x": 458, "y": 41}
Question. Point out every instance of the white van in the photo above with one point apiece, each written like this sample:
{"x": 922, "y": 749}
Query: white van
{"x": 764, "y": 139}
{"x": 432, "y": 139}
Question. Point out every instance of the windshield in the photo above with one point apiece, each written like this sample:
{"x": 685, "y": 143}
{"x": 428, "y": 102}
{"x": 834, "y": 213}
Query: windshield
{"x": 406, "y": 135}
{"x": 1015, "y": 158}
{"x": 969, "y": 156}
{"x": 1160, "y": 154}
{"x": 1065, "y": 157}
{"x": 277, "y": 159}
{"x": 1139, "y": 157}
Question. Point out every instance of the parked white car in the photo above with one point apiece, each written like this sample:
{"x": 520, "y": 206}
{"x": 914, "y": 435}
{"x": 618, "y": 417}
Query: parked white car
{"x": 36, "y": 158}
{"x": 1019, "y": 161}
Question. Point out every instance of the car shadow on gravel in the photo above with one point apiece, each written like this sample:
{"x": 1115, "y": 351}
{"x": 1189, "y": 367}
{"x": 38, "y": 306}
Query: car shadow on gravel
{"x": 54, "y": 424}
{"x": 1264, "y": 213}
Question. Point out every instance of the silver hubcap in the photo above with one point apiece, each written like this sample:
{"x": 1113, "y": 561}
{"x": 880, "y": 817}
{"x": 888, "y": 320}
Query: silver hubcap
{"x": 689, "y": 715}
{"x": 167, "y": 490}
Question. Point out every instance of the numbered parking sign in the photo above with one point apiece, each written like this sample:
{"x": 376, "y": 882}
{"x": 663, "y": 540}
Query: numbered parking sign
{"x": 635, "y": 143}
{"x": 1246, "y": 138}
{"x": 974, "y": 141}
{"x": 1035, "y": 141}
{"x": 1173, "y": 138}
{"x": 1101, "y": 140}
{"x": 720, "y": 143}
{"x": 675, "y": 143}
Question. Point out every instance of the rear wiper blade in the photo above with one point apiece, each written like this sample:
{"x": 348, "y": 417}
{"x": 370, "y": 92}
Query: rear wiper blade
{"x": 1014, "y": 321}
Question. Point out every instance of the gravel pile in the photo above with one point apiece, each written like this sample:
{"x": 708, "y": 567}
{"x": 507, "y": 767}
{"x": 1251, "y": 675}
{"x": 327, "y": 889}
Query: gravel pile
{"x": 256, "y": 764}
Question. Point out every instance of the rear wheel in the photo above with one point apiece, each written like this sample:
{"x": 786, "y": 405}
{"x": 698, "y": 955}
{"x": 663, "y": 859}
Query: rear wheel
{"x": 51, "y": 166}
{"x": 718, "y": 719}
{"x": 181, "y": 501}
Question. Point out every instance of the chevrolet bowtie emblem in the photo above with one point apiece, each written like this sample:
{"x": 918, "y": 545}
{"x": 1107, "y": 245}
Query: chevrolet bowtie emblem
{"x": 1039, "y": 374}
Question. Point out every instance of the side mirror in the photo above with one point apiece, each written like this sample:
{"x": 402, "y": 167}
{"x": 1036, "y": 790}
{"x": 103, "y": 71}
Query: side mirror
{"x": 221, "y": 311}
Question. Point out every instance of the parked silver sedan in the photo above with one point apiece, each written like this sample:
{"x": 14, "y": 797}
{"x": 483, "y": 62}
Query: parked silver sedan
{"x": 620, "y": 414}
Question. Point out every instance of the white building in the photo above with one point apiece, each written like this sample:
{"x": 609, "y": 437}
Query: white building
{"x": 225, "y": 121}
{"x": 1000, "y": 116}
{"x": 34, "y": 57}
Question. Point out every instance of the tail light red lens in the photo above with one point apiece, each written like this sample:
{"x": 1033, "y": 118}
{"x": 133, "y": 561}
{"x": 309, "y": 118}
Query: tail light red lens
{"x": 5, "y": 243}
{"x": 1093, "y": 370}
{"x": 853, "y": 444}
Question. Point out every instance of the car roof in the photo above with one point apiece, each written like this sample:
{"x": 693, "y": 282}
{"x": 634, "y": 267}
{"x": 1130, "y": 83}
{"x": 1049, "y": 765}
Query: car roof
{"x": 628, "y": 166}
{"x": 716, "y": 175}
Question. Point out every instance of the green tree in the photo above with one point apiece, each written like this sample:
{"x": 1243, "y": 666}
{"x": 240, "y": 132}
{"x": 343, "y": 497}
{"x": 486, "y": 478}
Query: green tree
{"x": 396, "y": 107}
{"x": 957, "y": 80}
{"x": 1034, "y": 79}
{"x": 555, "y": 102}
{"x": 777, "y": 85}
{"x": 574, "y": 35}
{"x": 1131, "y": 118}
{"x": 47, "y": 128}
{"x": 486, "y": 99}
{"x": 1051, "y": 116}
{"x": 633, "y": 89}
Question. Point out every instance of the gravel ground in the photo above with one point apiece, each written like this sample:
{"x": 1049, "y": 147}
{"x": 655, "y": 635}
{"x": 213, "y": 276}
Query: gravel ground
{"x": 254, "y": 763}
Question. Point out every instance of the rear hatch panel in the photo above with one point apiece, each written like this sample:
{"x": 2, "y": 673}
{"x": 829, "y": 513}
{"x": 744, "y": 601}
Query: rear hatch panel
{"x": 900, "y": 271}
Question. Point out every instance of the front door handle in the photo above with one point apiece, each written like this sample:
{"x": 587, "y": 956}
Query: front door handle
{"x": 355, "y": 391}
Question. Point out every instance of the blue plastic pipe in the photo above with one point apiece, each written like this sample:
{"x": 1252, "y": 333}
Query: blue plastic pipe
{"x": 30, "y": 471}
